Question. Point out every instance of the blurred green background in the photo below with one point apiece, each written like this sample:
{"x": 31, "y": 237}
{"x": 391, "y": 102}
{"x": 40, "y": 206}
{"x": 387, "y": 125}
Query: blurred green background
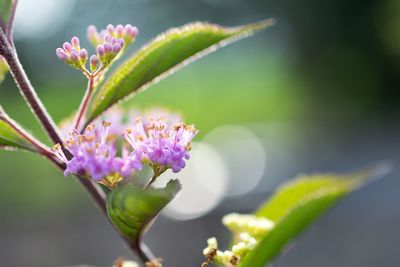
{"x": 318, "y": 91}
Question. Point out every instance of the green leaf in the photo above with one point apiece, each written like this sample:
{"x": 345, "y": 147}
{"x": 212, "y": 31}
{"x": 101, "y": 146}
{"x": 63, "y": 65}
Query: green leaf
{"x": 10, "y": 139}
{"x": 299, "y": 203}
{"x": 5, "y": 7}
{"x": 163, "y": 56}
{"x": 131, "y": 209}
{"x": 3, "y": 69}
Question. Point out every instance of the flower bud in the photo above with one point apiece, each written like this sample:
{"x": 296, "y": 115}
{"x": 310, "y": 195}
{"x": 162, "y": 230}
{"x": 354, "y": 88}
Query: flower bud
{"x": 107, "y": 47}
{"x": 83, "y": 56}
{"x": 75, "y": 43}
{"x": 119, "y": 30}
{"x": 110, "y": 28}
{"x": 116, "y": 48}
{"x": 100, "y": 51}
{"x": 94, "y": 63}
{"x": 67, "y": 47}
{"x": 131, "y": 31}
{"x": 75, "y": 56}
{"x": 62, "y": 55}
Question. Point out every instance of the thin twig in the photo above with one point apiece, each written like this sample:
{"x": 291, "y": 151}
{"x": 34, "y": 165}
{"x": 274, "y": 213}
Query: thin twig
{"x": 37, "y": 145}
{"x": 26, "y": 88}
{"x": 84, "y": 104}
{"x": 151, "y": 181}
{"x": 11, "y": 16}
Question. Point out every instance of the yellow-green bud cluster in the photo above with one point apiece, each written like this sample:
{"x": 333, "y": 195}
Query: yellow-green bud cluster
{"x": 247, "y": 229}
{"x": 244, "y": 244}
{"x": 253, "y": 225}
{"x": 127, "y": 264}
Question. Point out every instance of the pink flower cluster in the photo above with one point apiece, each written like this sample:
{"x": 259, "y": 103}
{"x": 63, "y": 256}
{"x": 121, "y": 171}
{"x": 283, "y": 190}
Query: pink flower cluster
{"x": 73, "y": 54}
{"x": 109, "y": 44}
{"x": 156, "y": 138}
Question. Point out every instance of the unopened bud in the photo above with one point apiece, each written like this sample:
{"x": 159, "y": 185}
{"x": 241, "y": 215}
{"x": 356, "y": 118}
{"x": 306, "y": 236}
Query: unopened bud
{"x": 100, "y": 51}
{"x": 107, "y": 48}
{"x": 75, "y": 43}
{"x": 94, "y": 63}
{"x": 83, "y": 55}
{"x": 110, "y": 28}
{"x": 67, "y": 47}
{"x": 119, "y": 30}
{"x": 74, "y": 56}
{"x": 116, "y": 48}
{"x": 61, "y": 54}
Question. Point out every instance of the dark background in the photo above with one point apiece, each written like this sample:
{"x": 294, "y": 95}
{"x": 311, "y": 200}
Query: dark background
{"x": 316, "y": 92}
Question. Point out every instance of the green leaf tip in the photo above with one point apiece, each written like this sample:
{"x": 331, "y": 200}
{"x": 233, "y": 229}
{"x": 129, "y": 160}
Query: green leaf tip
{"x": 163, "y": 56}
{"x": 300, "y": 202}
{"x": 131, "y": 209}
{"x": 9, "y": 137}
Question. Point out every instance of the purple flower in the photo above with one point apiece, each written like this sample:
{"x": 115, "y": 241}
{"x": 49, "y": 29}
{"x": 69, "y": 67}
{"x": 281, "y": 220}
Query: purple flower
{"x": 156, "y": 138}
{"x": 160, "y": 143}
{"x": 94, "y": 153}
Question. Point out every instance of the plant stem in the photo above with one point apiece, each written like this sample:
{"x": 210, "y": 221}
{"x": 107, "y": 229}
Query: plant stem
{"x": 37, "y": 145}
{"x": 151, "y": 181}
{"x": 26, "y": 88}
{"x": 157, "y": 171}
{"x": 29, "y": 93}
{"x": 84, "y": 104}
{"x": 95, "y": 192}
{"x": 9, "y": 27}
{"x": 141, "y": 250}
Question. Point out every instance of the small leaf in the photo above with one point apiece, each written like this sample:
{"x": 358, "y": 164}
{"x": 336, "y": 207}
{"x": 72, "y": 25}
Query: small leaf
{"x": 164, "y": 55}
{"x": 10, "y": 139}
{"x": 3, "y": 69}
{"x": 131, "y": 209}
{"x": 297, "y": 204}
{"x": 5, "y": 7}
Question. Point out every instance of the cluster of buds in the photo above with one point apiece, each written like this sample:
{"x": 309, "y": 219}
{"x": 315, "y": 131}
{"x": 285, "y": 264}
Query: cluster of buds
{"x": 109, "y": 50}
{"x": 110, "y": 151}
{"x": 247, "y": 229}
{"x": 128, "y": 33}
{"x": 111, "y": 41}
{"x": 245, "y": 244}
{"x": 253, "y": 225}
{"x": 122, "y": 263}
{"x": 72, "y": 54}
{"x": 109, "y": 44}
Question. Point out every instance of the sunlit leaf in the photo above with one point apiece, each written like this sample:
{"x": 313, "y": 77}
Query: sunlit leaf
{"x": 10, "y": 139}
{"x": 3, "y": 69}
{"x": 297, "y": 204}
{"x": 131, "y": 209}
{"x": 164, "y": 55}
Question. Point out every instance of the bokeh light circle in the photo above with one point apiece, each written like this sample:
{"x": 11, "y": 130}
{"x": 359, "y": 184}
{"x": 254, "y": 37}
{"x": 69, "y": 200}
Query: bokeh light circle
{"x": 204, "y": 181}
{"x": 243, "y": 154}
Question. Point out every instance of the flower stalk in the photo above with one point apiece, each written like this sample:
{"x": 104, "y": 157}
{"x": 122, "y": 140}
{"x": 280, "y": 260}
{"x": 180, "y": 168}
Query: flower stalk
{"x": 85, "y": 102}
{"x": 36, "y": 144}
{"x": 10, "y": 23}
{"x": 26, "y": 88}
